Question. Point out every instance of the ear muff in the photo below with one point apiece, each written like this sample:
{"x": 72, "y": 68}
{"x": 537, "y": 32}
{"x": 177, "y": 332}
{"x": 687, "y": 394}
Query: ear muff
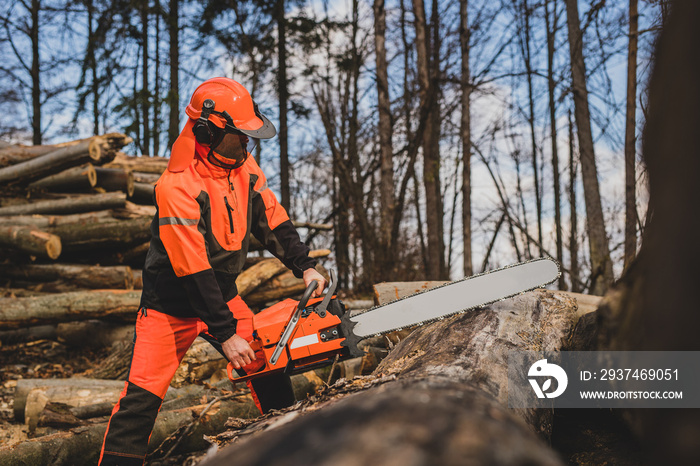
{"x": 202, "y": 130}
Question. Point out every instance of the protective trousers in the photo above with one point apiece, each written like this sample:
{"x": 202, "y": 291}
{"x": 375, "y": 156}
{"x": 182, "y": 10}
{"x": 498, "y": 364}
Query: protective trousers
{"x": 160, "y": 343}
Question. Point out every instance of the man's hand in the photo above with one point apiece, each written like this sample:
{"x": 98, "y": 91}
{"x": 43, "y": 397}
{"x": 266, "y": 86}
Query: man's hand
{"x": 238, "y": 351}
{"x": 312, "y": 274}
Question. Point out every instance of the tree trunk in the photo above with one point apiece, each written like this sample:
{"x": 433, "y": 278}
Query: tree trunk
{"x": 53, "y": 162}
{"x": 465, "y": 136}
{"x": 386, "y": 150}
{"x": 630, "y": 140}
{"x": 283, "y": 93}
{"x": 142, "y": 193}
{"x": 174, "y": 92}
{"x": 31, "y": 241}
{"x": 35, "y": 73}
{"x": 653, "y": 307}
{"x": 573, "y": 234}
{"x": 601, "y": 265}
{"x": 80, "y": 178}
{"x": 145, "y": 89}
{"x": 69, "y": 205}
{"x": 551, "y": 85}
{"x": 431, "y": 165}
{"x": 66, "y": 307}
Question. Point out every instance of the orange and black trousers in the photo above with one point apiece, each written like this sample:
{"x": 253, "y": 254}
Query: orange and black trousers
{"x": 160, "y": 343}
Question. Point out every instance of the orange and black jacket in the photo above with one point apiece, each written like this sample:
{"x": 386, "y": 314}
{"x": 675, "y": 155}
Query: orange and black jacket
{"x": 200, "y": 240}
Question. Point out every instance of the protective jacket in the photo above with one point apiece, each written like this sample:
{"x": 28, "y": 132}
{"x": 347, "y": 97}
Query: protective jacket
{"x": 200, "y": 238}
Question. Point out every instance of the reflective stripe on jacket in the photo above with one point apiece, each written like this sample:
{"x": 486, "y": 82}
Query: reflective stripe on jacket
{"x": 200, "y": 239}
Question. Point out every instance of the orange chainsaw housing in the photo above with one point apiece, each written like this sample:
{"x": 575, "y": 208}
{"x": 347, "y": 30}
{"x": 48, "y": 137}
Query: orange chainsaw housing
{"x": 312, "y": 343}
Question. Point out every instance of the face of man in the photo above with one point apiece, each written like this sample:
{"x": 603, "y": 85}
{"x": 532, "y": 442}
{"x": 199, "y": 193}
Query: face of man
{"x": 233, "y": 146}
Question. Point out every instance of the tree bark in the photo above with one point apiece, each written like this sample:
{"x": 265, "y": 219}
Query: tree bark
{"x": 630, "y": 139}
{"x": 67, "y": 307}
{"x": 80, "y": 178}
{"x": 31, "y": 241}
{"x": 53, "y": 162}
{"x": 601, "y": 265}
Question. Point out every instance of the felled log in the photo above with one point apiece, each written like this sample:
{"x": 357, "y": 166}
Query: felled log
{"x": 64, "y": 388}
{"x": 16, "y": 153}
{"x": 53, "y": 162}
{"x": 49, "y": 221}
{"x": 155, "y": 165}
{"x": 69, "y": 205}
{"x": 77, "y": 276}
{"x": 142, "y": 193}
{"x": 103, "y": 235}
{"x": 66, "y": 307}
{"x": 74, "y": 179}
{"x": 280, "y": 287}
{"x": 445, "y": 384}
{"x": 31, "y": 241}
{"x": 146, "y": 178}
{"x": 81, "y": 445}
{"x": 115, "y": 179}
{"x": 254, "y": 276}
{"x": 390, "y": 291}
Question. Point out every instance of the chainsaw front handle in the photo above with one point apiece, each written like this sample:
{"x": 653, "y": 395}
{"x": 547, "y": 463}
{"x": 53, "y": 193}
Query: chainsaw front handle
{"x": 292, "y": 324}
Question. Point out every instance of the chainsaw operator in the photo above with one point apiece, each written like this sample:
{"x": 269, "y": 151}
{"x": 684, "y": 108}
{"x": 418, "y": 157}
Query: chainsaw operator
{"x": 211, "y": 197}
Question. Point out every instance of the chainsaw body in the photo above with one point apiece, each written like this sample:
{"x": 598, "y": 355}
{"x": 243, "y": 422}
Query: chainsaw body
{"x": 317, "y": 337}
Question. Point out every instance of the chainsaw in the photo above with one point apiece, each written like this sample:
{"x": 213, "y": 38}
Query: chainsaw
{"x": 297, "y": 336}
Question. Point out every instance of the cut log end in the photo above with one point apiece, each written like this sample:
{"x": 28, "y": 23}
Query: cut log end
{"x": 53, "y": 247}
{"x": 95, "y": 149}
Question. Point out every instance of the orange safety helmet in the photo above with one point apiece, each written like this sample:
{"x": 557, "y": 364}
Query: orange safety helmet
{"x": 226, "y": 104}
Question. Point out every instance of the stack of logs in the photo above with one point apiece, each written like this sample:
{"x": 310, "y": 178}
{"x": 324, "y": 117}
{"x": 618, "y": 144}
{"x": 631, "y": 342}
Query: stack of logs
{"x": 74, "y": 231}
{"x": 90, "y": 206}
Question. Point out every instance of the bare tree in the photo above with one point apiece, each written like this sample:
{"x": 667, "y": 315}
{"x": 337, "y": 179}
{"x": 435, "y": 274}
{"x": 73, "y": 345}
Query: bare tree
{"x": 630, "y": 139}
{"x": 465, "y": 135}
{"x": 601, "y": 265}
{"x": 551, "y": 26}
{"x": 174, "y": 53}
{"x": 386, "y": 187}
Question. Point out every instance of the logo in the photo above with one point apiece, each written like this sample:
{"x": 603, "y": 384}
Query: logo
{"x": 543, "y": 369}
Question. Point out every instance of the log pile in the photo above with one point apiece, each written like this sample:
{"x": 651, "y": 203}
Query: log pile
{"x": 74, "y": 232}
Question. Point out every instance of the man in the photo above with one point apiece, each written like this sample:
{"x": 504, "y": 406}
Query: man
{"x": 208, "y": 201}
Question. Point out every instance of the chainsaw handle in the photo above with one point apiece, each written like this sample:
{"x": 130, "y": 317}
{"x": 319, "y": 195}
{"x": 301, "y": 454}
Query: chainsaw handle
{"x": 307, "y": 294}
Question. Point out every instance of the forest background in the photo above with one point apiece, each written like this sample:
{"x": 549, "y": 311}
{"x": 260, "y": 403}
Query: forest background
{"x": 440, "y": 138}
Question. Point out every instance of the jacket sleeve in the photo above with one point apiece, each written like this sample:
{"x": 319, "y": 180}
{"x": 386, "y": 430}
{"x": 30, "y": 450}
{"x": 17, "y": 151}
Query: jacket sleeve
{"x": 179, "y": 218}
{"x": 271, "y": 226}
